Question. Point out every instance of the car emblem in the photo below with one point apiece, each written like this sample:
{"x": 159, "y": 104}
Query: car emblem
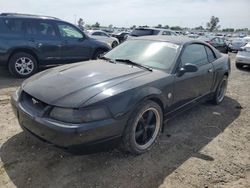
{"x": 34, "y": 101}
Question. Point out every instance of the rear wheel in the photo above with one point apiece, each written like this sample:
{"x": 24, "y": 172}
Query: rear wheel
{"x": 22, "y": 65}
{"x": 98, "y": 54}
{"x": 239, "y": 65}
{"x": 114, "y": 44}
{"x": 143, "y": 128}
{"x": 220, "y": 91}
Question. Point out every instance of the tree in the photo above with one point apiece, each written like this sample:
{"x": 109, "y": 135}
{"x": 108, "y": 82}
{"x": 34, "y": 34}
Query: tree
{"x": 159, "y": 26}
{"x": 178, "y": 28}
{"x": 133, "y": 27}
{"x": 80, "y": 24}
{"x": 110, "y": 26}
{"x": 213, "y": 24}
{"x": 96, "y": 25}
{"x": 166, "y": 27}
{"x": 199, "y": 28}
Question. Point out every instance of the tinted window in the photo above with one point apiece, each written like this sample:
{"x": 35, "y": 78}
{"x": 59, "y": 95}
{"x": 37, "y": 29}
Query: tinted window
{"x": 194, "y": 54}
{"x": 40, "y": 28}
{"x": 144, "y": 32}
{"x": 97, "y": 33}
{"x": 210, "y": 54}
{"x": 166, "y": 33}
{"x": 14, "y": 25}
{"x": 69, "y": 31}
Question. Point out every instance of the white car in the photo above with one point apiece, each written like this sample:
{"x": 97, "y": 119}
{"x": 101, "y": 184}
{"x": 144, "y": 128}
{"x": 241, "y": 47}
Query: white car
{"x": 243, "y": 56}
{"x": 146, "y": 31}
{"x": 103, "y": 36}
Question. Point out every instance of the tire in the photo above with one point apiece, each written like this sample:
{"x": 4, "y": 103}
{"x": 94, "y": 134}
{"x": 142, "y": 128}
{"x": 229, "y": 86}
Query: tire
{"x": 239, "y": 66}
{"x": 98, "y": 53}
{"x": 142, "y": 132}
{"x": 22, "y": 65}
{"x": 220, "y": 92}
{"x": 114, "y": 44}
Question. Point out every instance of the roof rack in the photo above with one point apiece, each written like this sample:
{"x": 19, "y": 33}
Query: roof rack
{"x": 26, "y": 15}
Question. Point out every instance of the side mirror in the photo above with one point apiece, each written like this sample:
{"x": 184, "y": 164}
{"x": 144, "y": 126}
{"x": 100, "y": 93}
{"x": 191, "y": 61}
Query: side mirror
{"x": 187, "y": 68}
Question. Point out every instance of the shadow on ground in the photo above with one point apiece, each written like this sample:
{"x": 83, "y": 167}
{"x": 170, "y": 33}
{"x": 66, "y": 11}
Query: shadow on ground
{"x": 30, "y": 163}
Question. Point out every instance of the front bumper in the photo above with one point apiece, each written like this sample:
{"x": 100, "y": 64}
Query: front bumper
{"x": 70, "y": 137}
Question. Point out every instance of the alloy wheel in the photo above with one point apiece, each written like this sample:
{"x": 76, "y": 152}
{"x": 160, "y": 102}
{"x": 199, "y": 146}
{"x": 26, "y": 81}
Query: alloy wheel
{"x": 24, "y": 65}
{"x": 147, "y": 128}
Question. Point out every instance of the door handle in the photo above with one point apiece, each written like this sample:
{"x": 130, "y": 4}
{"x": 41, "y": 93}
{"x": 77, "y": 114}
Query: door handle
{"x": 210, "y": 70}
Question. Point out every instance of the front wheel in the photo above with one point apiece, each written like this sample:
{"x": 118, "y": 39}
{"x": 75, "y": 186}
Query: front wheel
{"x": 220, "y": 91}
{"x": 22, "y": 65}
{"x": 143, "y": 128}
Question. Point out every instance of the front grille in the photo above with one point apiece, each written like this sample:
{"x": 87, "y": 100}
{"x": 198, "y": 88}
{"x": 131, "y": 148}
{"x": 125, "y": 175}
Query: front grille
{"x": 32, "y": 104}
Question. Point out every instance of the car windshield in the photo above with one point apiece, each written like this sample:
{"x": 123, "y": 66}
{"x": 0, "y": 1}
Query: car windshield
{"x": 144, "y": 32}
{"x": 154, "y": 54}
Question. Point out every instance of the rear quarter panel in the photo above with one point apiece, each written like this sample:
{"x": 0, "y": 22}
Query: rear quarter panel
{"x": 221, "y": 66}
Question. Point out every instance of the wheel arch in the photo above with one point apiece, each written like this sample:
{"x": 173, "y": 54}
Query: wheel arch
{"x": 26, "y": 50}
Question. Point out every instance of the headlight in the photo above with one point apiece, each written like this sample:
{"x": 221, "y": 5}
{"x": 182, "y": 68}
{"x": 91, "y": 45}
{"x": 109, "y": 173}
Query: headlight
{"x": 78, "y": 115}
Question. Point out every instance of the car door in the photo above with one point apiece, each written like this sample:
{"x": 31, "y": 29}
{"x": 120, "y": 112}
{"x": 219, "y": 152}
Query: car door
{"x": 74, "y": 44}
{"x": 43, "y": 38}
{"x": 192, "y": 85}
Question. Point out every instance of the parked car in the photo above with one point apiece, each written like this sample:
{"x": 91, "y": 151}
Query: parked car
{"x": 218, "y": 42}
{"x": 103, "y": 36}
{"x": 243, "y": 56}
{"x": 145, "y": 31}
{"x": 121, "y": 36}
{"x": 236, "y": 44}
{"x": 28, "y": 42}
{"x": 123, "y": 97}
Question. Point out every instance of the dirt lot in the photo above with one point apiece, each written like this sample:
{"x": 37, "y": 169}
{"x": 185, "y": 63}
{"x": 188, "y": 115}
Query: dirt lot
{"x": 208, "y": 146}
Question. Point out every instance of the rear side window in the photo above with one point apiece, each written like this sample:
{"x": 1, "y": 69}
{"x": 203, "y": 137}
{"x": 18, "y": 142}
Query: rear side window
{"x": 210, "y": 54}
{"x": 40, "y": 28}
{"x": 14, "y": 25}
{"x": 69, "y": 31}
{"x": 194, "y": 54}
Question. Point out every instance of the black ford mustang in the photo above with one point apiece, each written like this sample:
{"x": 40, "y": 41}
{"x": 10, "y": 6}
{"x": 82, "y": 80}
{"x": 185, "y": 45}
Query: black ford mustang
{"x": 122, "y": 97}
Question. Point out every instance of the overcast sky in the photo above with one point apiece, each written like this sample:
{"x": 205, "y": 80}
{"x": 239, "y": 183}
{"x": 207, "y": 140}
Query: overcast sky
{"x": 186, "y": 13}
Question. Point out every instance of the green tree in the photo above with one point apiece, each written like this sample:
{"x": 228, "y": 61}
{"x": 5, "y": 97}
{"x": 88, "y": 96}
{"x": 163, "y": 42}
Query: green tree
{"x": 159, "y": 26}
{"x": 166, "y": 27}
{"x": 96, "y": 25}
{"x": 213, "y": 24}
{"x": 177, "y": 28}
{"x": 80, "y": 24}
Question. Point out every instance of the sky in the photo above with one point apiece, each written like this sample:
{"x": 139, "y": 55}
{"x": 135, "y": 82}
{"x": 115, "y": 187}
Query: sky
{"x": 185, "y": 13}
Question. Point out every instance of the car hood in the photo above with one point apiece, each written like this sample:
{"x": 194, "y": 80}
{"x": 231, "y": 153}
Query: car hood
{"x": 72, "y": 85}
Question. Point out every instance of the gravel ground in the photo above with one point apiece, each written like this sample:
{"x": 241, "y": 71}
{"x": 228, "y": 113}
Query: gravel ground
{"x": 207, "y": 146}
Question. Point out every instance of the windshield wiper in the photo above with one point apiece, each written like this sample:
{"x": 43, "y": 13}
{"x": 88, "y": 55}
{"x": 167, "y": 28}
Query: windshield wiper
{"x": 107, "y": 59}
{"x": 134, "y": 63}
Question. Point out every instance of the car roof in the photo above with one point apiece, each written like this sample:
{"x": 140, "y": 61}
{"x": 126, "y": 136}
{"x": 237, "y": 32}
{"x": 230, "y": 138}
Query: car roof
{"x": 154, "y": 28}
{"x": 18, "y": 15}
{"x": 179, "y": 40}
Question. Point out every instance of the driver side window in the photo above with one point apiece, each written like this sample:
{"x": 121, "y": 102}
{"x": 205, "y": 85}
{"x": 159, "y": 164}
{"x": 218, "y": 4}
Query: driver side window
{"x": 194, "y": 54}
{"x": 68, "y": 31}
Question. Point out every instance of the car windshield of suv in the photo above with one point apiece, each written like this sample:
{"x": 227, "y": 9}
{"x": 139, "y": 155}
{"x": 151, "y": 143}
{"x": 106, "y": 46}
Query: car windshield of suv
{"x": 154, "y": 54}
{"x": 144, "y": 32}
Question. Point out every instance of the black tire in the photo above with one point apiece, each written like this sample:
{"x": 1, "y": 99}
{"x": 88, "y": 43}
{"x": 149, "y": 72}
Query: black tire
{"x": 98, "y": 54}
{"x": 138, "y": 127}
{"x": 22, "y": 65}
{"x": 114, "y": 44}
{"x": 239, "y": 65}
{"x": 220, "y": 92}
